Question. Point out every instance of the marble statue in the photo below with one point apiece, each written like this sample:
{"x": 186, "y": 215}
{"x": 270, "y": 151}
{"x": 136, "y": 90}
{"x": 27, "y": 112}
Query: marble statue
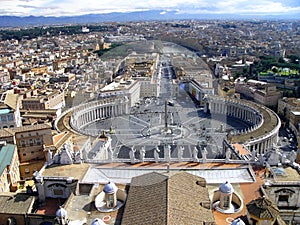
{"x": 77, "y": 158}
{"x": 293, "y": 156}
{"x": 180, "y": 153}
{"x": 283, "y": 158}
{"x": 274, "y": 157}
{"x": 156, "y": 154}
{"x": 110, "y": 154}
{"x": 168, "y": 153}
{"x": 66, "y": 155}
{"x": 50, "y": 159}
{"x": 142, "y": 154}
{"x": 204, "y": 155}
{"x": 227, "y": 155}
{"x": 195, "y": 154}
{"x": 131, "y": 155}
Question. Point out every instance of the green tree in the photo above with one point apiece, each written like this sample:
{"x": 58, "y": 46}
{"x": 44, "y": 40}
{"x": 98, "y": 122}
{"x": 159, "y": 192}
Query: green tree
{"x": 281, "y": 60}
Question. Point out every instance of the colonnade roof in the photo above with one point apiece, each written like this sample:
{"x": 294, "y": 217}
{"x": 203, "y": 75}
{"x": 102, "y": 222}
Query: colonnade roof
{"x": 269, "y": 124}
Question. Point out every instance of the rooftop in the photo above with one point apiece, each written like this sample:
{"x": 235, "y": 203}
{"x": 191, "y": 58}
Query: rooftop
{"x": 81, "y": 206}
{"x": 67, "y": 171}
{"x": 122, "y": 85}
{"x": 8, "y": 203}
{"x": 168, "y": 199}
{"x": 28, "y": 128}
{"x": 6, "y": 154}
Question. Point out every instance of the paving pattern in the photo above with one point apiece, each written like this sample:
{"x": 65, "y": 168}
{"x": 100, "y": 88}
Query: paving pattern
{"x": 188, "y": 127}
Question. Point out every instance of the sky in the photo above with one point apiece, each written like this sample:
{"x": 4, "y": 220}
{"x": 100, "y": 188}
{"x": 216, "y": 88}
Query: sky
{"x": 76, "y": 7}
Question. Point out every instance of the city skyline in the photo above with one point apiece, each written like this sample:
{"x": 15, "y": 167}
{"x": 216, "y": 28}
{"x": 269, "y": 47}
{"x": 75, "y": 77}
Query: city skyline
{"x": 75, "y": 8}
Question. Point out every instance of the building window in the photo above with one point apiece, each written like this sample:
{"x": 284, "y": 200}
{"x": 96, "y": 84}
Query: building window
{"x": 30, "y": 142}
{"x": 226, "y": 201}
{"x": 38, "y": 141}
{"x": 10, "y": 117}
{"x": 58, "y": 192}
{"x": 110, "y": 201}
{"x": 23, "y": 143}
{"x": 283, "y": 198}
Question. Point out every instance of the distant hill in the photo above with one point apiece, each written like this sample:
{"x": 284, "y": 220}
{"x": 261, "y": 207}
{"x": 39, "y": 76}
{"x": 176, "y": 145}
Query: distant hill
{"x": 14, "y": 21}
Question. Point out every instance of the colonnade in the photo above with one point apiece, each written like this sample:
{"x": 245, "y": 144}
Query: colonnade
{"x": 237, "y": 110}
{"x": 261, "y": 144}
{"x": 97, "y": 110}
{"x": 261, "y": 135}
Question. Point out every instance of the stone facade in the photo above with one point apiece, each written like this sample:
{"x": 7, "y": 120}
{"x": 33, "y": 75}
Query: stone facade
{"x": 15, "y": 208}
{"x": 261, "y": 92}
{"x": 31, "y": 141}
{"x": 9, "y": 111}
{"x": 286, "y": 195}
{"x": 54, "y": 187}
{"x": 286, "y": 105}
{"x": 45, "y": 100}
{"x": 9, "y": 167}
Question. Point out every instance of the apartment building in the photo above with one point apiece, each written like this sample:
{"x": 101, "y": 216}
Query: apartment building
{"x": 289, "y": 109}
{"x": 39, "y": 69}
{"x": 261, "y": 92}
{"x": 31, "y": 142}
{"x": 9, "y": 167}
{"x": 9, "y": 111}
{"x": 45, "y": 99}
{"x": 286, "y": 105}
{"x": 128, "y": 88}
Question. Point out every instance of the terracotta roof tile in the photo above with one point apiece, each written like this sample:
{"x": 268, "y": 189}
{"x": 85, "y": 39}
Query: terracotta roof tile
{"x": 171, "y": 198}
{"x": 5, "y": 133}
{"x": 147, "y": 200}
{"x": 28, "y": 128}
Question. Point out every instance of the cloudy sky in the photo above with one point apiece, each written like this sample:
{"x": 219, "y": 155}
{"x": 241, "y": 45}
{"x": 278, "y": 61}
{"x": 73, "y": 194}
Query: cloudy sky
{"x": 76, "y": 7}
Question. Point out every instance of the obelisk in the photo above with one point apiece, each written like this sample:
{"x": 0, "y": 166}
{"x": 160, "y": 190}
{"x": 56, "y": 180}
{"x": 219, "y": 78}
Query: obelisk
{"x": 166, "y": 116}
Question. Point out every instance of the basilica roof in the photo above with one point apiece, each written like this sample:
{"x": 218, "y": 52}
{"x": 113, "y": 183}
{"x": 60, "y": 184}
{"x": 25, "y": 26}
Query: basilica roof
{"x": 169, "y": 198}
